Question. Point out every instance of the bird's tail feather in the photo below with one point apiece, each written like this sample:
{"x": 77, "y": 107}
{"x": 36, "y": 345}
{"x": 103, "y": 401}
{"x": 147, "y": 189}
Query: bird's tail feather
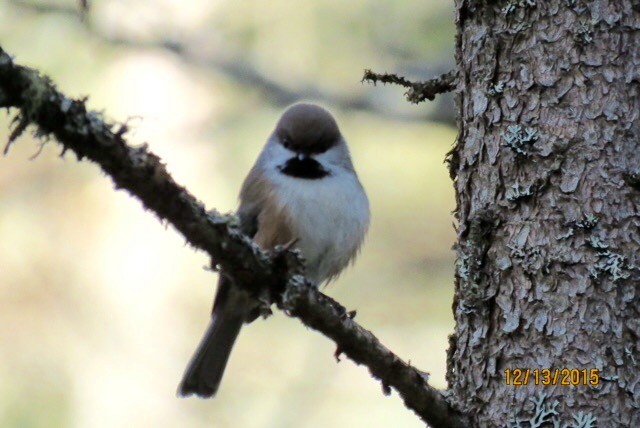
{"x": 205, "y": 370}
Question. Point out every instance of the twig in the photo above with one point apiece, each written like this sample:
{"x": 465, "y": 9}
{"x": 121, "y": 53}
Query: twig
{"x": 418, "y": 91}
{"x": 144, "y": 176}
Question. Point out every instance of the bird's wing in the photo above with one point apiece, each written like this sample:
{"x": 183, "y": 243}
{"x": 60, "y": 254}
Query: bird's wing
{"x": 261, "y": 217}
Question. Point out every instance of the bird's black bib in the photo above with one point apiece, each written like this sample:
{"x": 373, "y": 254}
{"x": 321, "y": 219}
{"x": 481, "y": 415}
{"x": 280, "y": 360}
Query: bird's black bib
{"x": 307, "y": 168}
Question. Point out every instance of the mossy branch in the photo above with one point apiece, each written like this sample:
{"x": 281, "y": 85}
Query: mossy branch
{"x": 279, "y": 276}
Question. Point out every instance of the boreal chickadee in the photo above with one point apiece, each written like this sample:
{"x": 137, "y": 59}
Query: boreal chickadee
{"x": 303, "y": 189}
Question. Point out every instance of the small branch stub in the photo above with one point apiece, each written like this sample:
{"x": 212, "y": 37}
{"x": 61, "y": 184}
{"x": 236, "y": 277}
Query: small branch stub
{"x": 417, "y": 91}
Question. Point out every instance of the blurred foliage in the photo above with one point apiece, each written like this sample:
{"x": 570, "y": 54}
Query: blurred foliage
{"x": 100, "y": 307}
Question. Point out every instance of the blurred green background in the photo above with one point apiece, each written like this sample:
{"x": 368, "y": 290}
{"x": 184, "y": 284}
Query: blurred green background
{"x": 101, "y": 306}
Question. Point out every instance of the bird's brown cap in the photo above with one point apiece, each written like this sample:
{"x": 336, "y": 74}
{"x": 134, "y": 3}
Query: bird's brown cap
{"x": 307, "y": 128}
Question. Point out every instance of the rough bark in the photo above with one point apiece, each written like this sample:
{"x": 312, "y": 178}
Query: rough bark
{"x": 546, "y": 173}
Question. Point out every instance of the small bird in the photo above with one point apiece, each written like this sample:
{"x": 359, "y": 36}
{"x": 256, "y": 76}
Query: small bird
{"x": 302, "y": 191}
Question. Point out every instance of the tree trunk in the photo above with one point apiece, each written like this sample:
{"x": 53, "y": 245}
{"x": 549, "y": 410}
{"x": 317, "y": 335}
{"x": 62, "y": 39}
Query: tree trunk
{"x": 547, "y": 176}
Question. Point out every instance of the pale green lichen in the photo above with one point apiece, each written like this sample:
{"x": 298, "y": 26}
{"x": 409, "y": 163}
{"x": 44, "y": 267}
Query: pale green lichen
{"x": 583, "y": 420}
{"x": 610, "y": 262}
{"x": 569, "y": 233}
{"x": 595, "y": 243}
{"x": 585, "y": 33}
{"x": 517, "y": 192}
{"x": 588, "y": 222}
{"x": 468, "y": 269}
{"x": 515, "y": 4}
{"x": 463, "y": 267}
{"x": 231, "y": 219}
{"x": 543, "y": 413}
{"x": 520, "y": 140}
{"x": 496, "y": 89}
{"x": 531, "y": 259}
{"x": 546, "y": 415}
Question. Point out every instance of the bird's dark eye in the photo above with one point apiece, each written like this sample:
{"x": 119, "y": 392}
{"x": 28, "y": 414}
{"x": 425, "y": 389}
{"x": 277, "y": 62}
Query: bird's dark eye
{"x": 286, "y": 143}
